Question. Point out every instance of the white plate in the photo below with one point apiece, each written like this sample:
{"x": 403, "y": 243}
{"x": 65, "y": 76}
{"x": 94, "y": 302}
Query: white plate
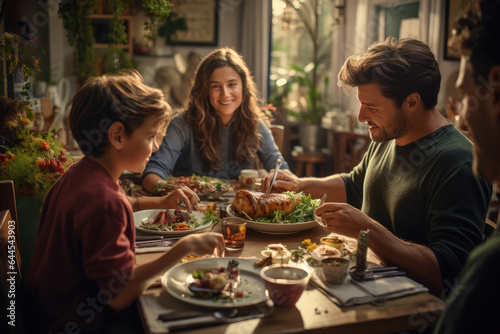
{"x": 177, "y": 279}
{"x": 269, "y": 228}
{"x": 140, "y": 215}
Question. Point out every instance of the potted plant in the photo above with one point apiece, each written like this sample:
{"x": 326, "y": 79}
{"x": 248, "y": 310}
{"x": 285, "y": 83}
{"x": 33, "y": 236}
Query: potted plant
{"x": 32, "y": 160}
{"x": 308, "y": 77}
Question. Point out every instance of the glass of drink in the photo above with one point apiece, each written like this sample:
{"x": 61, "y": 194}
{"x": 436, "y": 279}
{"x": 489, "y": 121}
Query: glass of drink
{"x": 234, "y": 231}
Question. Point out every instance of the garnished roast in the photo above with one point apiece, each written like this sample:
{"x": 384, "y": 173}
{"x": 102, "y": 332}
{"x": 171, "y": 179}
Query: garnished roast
{"x": 257, "y": 204}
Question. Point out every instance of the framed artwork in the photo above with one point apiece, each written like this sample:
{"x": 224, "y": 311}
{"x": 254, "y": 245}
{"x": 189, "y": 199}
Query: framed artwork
{"x": 201, "y": 20}
{"x": 453, "y": 9}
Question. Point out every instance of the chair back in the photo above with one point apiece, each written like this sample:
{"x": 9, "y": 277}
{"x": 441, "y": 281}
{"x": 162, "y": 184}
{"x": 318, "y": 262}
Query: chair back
{"x": 11, "y": 265}
{"x": 489, "y": 227}
{"x": 278, "y": 132}
{"x": 349, "y": 148}
{"x": 8, "y": 202}
{"x": 13, "y": 297}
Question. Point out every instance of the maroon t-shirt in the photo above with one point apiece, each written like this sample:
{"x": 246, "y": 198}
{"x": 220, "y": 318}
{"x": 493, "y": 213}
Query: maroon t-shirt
{"x": 84, "y": 251}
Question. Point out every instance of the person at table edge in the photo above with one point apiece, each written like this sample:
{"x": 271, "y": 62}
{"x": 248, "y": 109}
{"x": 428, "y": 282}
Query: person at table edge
{"x": 472, "y": 306}
{"x": 414, "y": 188}
{"x": 83, "y": 277}
{"x": 222, "y": 130}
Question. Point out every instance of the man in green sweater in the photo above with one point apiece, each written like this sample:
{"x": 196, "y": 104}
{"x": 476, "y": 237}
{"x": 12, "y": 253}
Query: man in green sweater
{"x": 414, "y": 188}
{"x": 473, "y": 305}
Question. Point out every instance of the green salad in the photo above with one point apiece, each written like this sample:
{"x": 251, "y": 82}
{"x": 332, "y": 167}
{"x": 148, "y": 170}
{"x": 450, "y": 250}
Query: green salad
{"x": 303, "y": 211}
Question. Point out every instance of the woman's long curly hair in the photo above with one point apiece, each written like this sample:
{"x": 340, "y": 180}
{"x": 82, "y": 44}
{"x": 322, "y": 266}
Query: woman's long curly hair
{"x": 206, "y": 124}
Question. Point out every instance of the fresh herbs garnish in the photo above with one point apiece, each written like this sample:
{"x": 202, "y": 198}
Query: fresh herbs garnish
{"x": 303, "y": 211}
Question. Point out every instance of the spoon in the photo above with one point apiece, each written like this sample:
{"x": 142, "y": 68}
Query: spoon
{"x": 276, "y": 169}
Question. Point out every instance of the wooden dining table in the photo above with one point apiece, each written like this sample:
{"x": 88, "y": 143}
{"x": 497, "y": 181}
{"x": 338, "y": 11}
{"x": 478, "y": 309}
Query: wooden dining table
{"x": 314, "y": 312}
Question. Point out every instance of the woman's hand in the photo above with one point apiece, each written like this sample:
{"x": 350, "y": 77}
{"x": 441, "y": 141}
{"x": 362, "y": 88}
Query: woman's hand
{"x": 285, "y": 181}
{"x": 184, "y": 195}
{"x": 344, "y": 219}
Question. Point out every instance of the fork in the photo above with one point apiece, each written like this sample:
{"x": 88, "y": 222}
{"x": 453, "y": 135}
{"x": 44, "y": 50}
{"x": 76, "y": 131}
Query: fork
{"x": 318, "y": 219}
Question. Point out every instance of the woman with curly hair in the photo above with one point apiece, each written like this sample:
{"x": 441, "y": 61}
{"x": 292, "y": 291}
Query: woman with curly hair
{"x": 222, "y": 130}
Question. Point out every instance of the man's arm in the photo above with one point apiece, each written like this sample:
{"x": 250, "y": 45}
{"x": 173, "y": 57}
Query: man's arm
{"x": 418, "y": 261}
{"x": 287, "y": 181}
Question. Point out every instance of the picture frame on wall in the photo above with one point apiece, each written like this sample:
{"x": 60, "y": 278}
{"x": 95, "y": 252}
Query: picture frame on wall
{"x": 201, "y": 21}
{"x": 453, "y": 9}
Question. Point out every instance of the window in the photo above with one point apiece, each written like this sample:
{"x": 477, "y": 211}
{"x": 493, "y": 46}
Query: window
{"x": 293, "y": 50}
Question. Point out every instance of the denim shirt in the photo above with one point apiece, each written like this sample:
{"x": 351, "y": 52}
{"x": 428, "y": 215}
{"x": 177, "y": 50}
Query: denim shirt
{"x": 178, "y": 154}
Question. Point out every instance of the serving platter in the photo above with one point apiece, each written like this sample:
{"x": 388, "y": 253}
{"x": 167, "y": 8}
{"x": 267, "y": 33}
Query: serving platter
{"x": 269, "y": 228}
{"x": 139, "y": 216}
{"x": 176, "y": 282}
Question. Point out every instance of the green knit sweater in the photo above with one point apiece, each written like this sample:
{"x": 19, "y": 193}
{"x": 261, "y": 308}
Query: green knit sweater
{"x": 425, "y": 192}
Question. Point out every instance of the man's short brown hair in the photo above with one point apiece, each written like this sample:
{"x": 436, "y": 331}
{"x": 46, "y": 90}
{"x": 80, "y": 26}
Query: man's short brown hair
{"x": 398, "y": 68}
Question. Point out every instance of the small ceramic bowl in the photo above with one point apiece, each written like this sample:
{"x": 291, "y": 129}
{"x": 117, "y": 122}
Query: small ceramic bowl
{"x": 285, "y": 283}
{"x": 334, "y": 242}
{"x": 333, "y": 270}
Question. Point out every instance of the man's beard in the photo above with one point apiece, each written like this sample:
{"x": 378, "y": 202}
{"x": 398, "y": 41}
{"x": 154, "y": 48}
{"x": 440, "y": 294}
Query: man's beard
{"x": 398, "y": 129}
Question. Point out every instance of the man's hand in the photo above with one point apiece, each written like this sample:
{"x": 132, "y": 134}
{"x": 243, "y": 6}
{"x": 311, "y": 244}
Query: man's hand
{"x": 285, "y": 181}
{"x": 344, "y": 219}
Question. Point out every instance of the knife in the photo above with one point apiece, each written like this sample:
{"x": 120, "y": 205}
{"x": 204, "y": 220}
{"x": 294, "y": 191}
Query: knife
{"x": 154, "y": 243}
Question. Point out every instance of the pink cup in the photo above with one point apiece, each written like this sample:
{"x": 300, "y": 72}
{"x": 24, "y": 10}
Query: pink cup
{"x": 285, "y": 283}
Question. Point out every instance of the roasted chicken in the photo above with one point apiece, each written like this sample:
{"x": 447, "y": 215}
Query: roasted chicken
{"x": 257, "y": 204}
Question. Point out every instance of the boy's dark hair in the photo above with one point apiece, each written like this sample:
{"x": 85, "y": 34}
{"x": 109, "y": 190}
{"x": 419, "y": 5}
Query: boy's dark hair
{"x": 107, "y": 99}
{"x": 475, "y": 34}
{"x": 398, "y": 68}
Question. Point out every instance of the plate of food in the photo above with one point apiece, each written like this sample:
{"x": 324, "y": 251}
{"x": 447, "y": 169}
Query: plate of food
{"x": 284, "y": 213}
{"x": 225, "y": 282}
{"x": 210, "y": 187}
{"x": 171, "y": 222}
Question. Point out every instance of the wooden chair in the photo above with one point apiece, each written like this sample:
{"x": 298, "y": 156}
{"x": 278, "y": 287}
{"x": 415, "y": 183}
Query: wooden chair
{"x": 8, "y": 202}
{"x": 307, "y": 161}
{"x": 278, "y": 132}
{"x": 11, "y": 262}
{"x": 489, "y": 228}
{"x": 348, "y": 150}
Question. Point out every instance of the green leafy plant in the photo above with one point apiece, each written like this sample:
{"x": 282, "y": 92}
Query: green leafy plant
{"x": 21, "y": 54}
{"x": 315, "y": 107}
{"x": 116, "y": 58}
{"x": 80, "y": 34}
{"x": 158, "y": 11}
{"x": 309, "y": 13}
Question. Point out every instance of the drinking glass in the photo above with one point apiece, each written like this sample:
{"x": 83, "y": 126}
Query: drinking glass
{"x": 234, "y": 231}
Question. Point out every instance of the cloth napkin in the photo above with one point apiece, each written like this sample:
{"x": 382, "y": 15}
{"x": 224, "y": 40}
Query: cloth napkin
{"x": 162, "y": 303}
{"x": 353, "y": 292}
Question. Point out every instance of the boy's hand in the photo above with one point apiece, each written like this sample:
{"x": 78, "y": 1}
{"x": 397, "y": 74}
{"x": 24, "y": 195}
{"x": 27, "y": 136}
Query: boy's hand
{"x": 285, "y": 181}
{"x": 181, "y": 199}
{"x": 202, "y": 243}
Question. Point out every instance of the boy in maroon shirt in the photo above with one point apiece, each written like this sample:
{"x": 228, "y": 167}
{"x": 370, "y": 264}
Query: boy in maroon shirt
{"x": 82, "y": 276}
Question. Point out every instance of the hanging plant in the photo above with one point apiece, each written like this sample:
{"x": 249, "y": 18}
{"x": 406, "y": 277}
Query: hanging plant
{"x": 80, "y": 34}
{"x": 116, "y": 58}
{"x": 23, "y": 55}
{"x": 158, "y": 11}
